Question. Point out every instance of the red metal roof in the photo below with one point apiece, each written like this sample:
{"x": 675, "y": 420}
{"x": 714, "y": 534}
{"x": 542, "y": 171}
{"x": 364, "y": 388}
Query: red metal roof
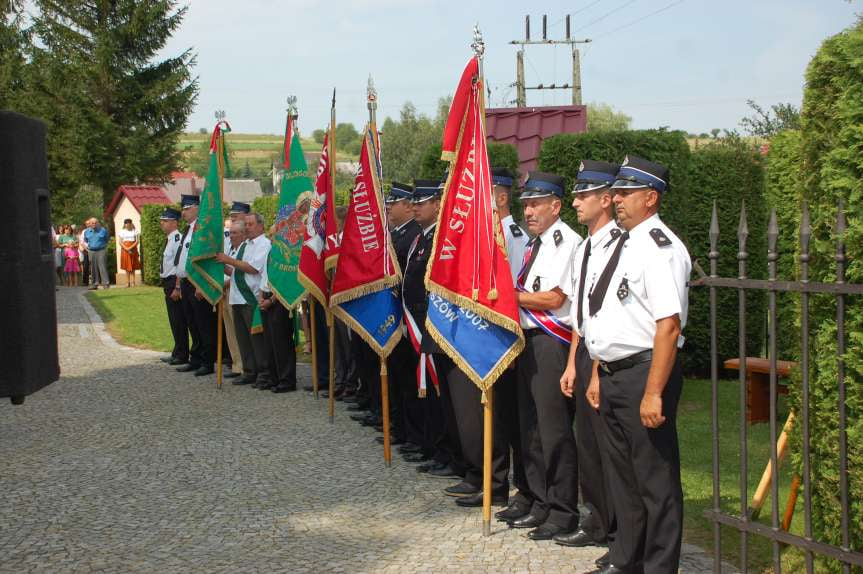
{"x": 525, "y": 128}
{"x": 175, "y": 175}
{"x": 139, "y": 195}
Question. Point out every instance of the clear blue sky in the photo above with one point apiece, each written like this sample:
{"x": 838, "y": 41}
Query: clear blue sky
{"x": 691, "y": 66}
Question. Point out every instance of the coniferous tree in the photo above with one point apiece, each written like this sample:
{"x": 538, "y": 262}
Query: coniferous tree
{"x": 134, "y": 106}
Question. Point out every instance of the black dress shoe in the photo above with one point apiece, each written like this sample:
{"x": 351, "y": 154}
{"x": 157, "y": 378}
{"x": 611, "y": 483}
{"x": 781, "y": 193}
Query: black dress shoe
{"x": 529, "y": 520}
{"x": 512, "y": 512}
{"x": 423, "y": 468}
{"x": 415, "y": 457}
{"x": 244, "y": 381}
{"x": 284, "y": 388}
{"x": 445, "y": 471}
{"x": 603, "y": 560}
{"x": 608, "y": 569}
{"x": 188, "y": 368}
{"x": 409, "y": 447}
{"x": 355, "y": 409}
{"x": 546, "y": 531}
{"x": 267, "y": 387}
{"x": 394, "y": 441}
{"x": 461, "y": 489}
{"x": 475, "y": 500}
{"x": 358, "y": 418}
{"x": 204, "y": 370}
{"x": 231, "y": 375}
{"x": 167, "y": 359}
{"x": 176, "y": 362}
{"x": 576, "y": 539}
{"x": 372, "y": 421}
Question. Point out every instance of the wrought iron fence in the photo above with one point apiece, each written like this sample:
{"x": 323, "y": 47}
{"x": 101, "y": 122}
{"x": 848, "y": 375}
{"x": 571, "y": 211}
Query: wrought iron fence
{"x": 743, "y": 522}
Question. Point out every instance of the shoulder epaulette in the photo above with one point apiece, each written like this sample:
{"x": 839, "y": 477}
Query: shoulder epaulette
{"x": 558, "y": 238}
{"x": 659, "y": 237}
{"x": 615, "y": 233}
{"x": 515, "y": 230}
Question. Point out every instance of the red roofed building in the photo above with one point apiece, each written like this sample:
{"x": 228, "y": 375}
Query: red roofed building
{"x": 127, "y": 203}
{"x": 526, "y": 128}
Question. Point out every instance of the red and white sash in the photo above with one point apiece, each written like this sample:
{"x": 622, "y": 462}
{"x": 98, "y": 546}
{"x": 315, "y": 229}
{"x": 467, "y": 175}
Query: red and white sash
{"x": 545, "y": 320}
{"x": 426, "y": 362}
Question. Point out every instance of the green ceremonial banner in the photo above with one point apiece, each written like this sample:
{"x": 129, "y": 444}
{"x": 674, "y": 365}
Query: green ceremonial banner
{"x": 208, "y": 238}
{"x": 295, "y": 196}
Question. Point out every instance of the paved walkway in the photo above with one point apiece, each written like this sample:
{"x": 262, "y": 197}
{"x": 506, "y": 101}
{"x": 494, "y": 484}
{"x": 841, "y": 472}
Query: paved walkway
{"x": 124, "y": 465}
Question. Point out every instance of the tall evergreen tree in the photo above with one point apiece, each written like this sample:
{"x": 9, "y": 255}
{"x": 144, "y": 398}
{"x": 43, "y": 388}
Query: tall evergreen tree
{"x": 136, "y": 106}
{"x": 13, "y": 42}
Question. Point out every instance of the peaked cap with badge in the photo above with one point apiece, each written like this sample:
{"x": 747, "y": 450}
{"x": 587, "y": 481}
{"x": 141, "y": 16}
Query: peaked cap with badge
{"x": 399, "y": 192}
{"x": 170, "y": 214}
{"x": 502, "y": 176}
{"x": 638, "y": 173}
{"x": 541, "y": 184}
{"x": 425, "y": 189}
{"x": 593, "y": 175}
{"x": 240, "y": 207}
{"x": 189, "y": 201}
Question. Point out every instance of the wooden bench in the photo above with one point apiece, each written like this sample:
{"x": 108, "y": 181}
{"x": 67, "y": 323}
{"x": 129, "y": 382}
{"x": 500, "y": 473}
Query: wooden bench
{"x": 758, "y": 385}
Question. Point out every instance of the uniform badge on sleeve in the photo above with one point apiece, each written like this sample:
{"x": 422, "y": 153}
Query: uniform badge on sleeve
{"x": 177, "y": 238}
{"x": 536, "y": 284}
{"x": 615, "y": 233}
{"x": 659, "y": 237}
{"x": 623, "y": 289}
{"x": 558, "y": 238}
{"x": 515, "y": 230}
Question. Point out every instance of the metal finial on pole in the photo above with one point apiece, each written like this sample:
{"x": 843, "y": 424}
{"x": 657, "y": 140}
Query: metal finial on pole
{"x": 371, "y": 94}
{"x": 220, "y": 115}
{"x": 478, "y": 46}
{"x": 292, "y": 105}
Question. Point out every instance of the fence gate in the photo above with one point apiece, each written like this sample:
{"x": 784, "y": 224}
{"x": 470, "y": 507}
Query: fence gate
{"x": 742, "y": 521}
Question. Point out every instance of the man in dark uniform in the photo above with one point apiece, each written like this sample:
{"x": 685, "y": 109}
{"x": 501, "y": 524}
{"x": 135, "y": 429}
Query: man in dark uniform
{"x": 168, "y": 273}
{"x": 279, "y": 338}
{"x": 400, "y": 363}
{"x": 440, "y": 436}
{"x": 546, "y": 416}
{"x": 595, "y": 209}
{"x": 199, "y": 313}
{"x": 637, "y": 311}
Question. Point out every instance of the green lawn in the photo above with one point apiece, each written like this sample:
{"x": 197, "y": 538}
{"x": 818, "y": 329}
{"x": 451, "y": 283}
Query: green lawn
{"x": 137, "y": 317}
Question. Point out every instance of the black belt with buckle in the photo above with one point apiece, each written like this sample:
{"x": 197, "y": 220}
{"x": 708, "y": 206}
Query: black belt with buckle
{"x": 612, "y": 367}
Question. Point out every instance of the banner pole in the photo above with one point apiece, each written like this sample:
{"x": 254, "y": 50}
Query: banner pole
{"x": 385, "y": 408}
{"x": 313, "y": 331}
{"x": 332, "y": 349}
{"x": 219, "y": 324}
{"x": 487, "y": 440}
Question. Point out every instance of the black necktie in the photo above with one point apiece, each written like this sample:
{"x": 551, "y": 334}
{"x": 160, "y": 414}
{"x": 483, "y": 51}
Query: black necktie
{"x": 598, "y": 294}
{"x": 581, "y": 281}
{"x": 180, "y": 249}
{"x": 534, "y": 246}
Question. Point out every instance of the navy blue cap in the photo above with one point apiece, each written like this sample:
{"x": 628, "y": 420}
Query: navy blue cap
{"x": 170, "y": 213}
{"x": 398, "y": 192}
{"x": 593, "y": 175}
{"x": 502, "y": 176}
{"x": 636, "y": 173}
{"x": 425, "y": 189}
{"x": 240, "y": 207}
{"x": 541, "y": 184}
{"x": 189, "y": 201}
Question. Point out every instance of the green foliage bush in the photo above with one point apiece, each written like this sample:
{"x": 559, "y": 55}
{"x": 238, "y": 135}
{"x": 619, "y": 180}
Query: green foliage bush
{"x": 152, "y": 243}
{"x": 726, "y": 173}
{"x": 833, "y": 168}
{"x": 783, "y": 192}
{"x": 266, "y": 206}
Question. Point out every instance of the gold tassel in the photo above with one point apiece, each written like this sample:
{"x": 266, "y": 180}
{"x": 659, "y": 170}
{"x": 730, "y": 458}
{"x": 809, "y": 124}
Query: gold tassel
{"x": 492, "y": 294}
{"x": 437, "y": 390}
{"x": 475, "y": 294}
{"x": 483, "y": 398}
{"x": 421, "y": 393}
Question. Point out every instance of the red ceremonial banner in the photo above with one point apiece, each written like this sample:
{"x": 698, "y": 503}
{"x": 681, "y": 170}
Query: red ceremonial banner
{"x": 367, "y": 262}
{"x": 320, "y": 223}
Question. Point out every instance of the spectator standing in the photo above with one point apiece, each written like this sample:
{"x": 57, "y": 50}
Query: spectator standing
{"x": 96, "y": 241}
{"x": 128, "y": 237}
{"x": 72, "y": 266}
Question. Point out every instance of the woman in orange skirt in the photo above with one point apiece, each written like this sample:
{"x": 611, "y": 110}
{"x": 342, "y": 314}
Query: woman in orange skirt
{"x": 129, "y": 260}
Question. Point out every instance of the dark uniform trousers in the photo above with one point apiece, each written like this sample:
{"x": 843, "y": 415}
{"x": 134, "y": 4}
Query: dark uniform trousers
{"x": 447, "y": 445}
{"x": 201, "y": 321}
{"x": 346, "y": 367}
{"x": 548, "y": 442}
{"x": 177, "y": 321}
{"x": 253, "y": 348}
{"x": 592, "y": 454}
{"x": 322, "y": 345}
{"x": 279, "y": 338}
{"x": 645, "y": 472}
{"x": 402, "y": 366}
{"x": 469, "y": 417}
{"x": 368, "y": 371}
{"x": 508, "y": 430}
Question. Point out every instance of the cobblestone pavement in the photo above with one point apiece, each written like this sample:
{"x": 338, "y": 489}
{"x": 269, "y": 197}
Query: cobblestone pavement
{"x": 124, "y": 465}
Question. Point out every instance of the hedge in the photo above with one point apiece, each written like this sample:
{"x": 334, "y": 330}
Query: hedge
{"x": 499, "y": 155}
{"x": 783, "y": 191}
{"x": 727, "y": 173}
{"x": 833, "y": 166}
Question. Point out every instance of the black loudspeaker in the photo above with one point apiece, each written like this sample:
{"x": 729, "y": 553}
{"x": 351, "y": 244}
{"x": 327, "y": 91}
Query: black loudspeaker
{"x": 28, "y": 337}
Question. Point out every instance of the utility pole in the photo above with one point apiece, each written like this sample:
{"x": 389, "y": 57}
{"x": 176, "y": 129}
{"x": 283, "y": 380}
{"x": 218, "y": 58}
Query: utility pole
{"x": 521, "y": 88}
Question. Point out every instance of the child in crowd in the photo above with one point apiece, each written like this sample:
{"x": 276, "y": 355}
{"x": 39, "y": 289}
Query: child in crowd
{"x": 72, "y": 268}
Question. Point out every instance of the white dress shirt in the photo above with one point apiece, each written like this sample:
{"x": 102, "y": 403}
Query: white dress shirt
{"x": 184, "y": 254}
{"x": 167, "y": 267}
{"x": 255, "y": 254}
{"x": 602, "y": 244}
{"x": 551, "y": 268}
{"x": 516, "y": 242}
{"x": 655, "y": 288}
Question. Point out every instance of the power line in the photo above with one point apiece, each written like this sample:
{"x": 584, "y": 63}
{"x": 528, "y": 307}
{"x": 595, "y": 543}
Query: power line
{"x": 606, "y": 15}
{"x": 634, "y": 22}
